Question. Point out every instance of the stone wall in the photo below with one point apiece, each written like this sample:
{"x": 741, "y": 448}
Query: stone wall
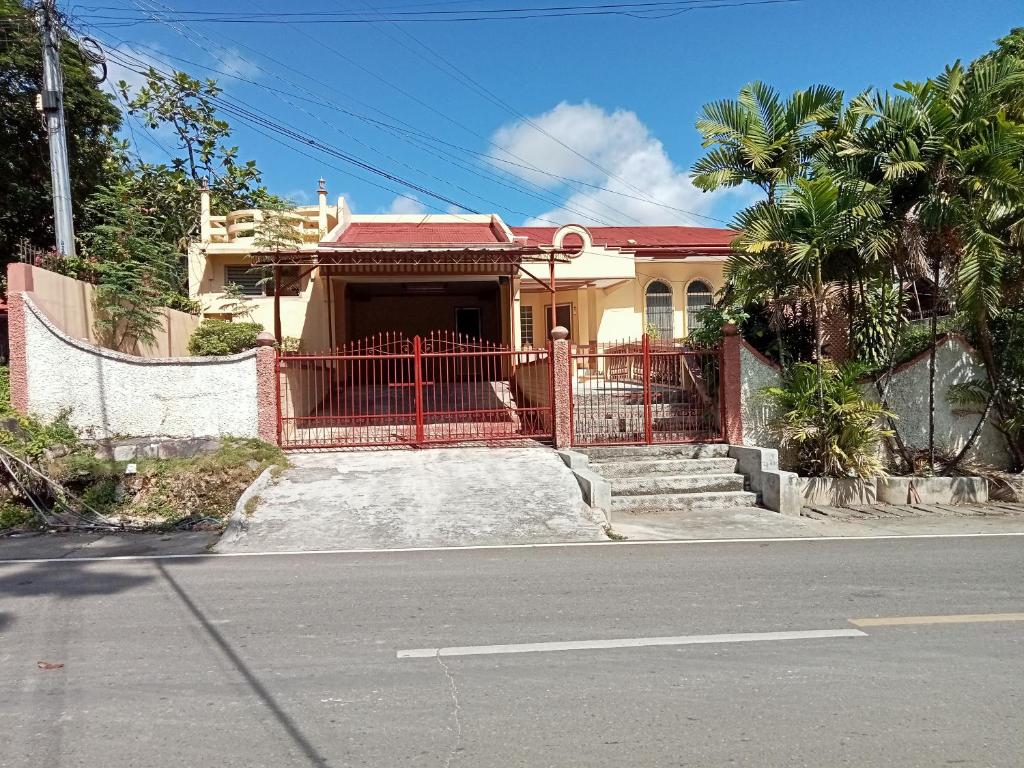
{"x": 108, "y": 393}
{"x": 956, "y": 363}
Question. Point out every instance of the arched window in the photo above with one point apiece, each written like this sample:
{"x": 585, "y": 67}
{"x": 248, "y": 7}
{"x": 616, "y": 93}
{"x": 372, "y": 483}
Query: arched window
{"x": 659, "y": 309}
{"x": 698, "y": 296}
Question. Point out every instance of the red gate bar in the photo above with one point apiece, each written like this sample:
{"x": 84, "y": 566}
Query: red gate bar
{"x": 390, "y": 390}
{"x": 645, "y": 391}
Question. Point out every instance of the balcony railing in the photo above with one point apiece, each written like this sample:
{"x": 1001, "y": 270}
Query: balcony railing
{"x": 243, "y": 226}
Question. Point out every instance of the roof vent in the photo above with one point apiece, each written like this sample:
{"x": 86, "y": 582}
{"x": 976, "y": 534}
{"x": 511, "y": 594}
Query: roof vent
{"x": 631, "y": 241}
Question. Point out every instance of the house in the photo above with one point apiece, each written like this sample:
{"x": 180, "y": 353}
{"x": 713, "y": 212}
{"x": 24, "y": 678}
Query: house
{"x": 348, "y": 276}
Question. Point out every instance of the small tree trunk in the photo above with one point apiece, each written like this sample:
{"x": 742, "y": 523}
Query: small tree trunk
{"x": 931, "y": 363}
{"x": 975, "y": 434}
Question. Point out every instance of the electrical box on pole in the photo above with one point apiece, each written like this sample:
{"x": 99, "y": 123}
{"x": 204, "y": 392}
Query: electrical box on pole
{"x": 52, "y": 103}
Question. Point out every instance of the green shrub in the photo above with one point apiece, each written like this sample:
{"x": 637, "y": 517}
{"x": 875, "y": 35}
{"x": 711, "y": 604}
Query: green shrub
{"x": 220, "y": 337}
{"x": 28, "y": 437}
{"x": 839, "y": 440}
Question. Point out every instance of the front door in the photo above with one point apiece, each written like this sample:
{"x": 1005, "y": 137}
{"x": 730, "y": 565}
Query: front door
{"x": 563, "y": 317}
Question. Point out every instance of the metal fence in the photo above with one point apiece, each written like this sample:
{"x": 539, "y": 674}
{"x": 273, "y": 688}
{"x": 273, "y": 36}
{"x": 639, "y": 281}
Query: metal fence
{"x": 392, "y": 390}
{"x": 645, "y": 391}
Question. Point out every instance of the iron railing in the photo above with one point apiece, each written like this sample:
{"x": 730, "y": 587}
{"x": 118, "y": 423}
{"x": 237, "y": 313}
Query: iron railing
{"x": 392, "y": 390}
{"x": 645, "y": 391}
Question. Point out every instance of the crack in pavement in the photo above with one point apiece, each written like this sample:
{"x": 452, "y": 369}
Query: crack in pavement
{"x": 456, "y": 711}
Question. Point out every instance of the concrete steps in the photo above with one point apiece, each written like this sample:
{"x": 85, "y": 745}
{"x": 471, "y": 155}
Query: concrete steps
{"x": 663, "y": 467}
{"x": 669, "y": 484}
{"x": 649, "y": 452}
{"x": 667, "y": 479}
{"x": 682, "y": 502}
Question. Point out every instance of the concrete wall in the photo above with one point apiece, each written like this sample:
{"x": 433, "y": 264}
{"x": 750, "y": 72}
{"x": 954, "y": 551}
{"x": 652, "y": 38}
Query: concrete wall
{"x": 107, "y": 393}
{"x": 956, "y": 363}
{"x": 757, "y": 372}
{"x": 533, "y": 380}
{"x": 68, "y": 304}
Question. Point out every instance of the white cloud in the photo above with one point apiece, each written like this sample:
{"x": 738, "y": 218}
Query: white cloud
{"x": 299, "y": 197}
{"x": 236, "y": 63}
{"x": 625, "y": 157}
{"x": 409, "y": 205}
{"x": 133, "y": 77}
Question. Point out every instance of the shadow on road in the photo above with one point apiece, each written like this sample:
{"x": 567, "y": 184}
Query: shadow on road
{"x": 69, "y": 580}
{"x": 287, "y": 724}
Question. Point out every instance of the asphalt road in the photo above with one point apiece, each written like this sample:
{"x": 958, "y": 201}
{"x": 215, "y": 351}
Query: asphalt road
{"x": 293, "y": 660}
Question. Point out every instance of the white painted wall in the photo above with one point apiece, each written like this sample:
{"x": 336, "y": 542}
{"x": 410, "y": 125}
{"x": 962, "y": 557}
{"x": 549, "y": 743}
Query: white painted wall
{"x": 955, "y": 363}
{"x": 755, "y": 375}
{"x": 908, "y": 398}
{"x": 108, "y": 393}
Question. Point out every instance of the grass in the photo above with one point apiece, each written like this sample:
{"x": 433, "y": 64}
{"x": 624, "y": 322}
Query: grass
{"x": 173, "y": 492}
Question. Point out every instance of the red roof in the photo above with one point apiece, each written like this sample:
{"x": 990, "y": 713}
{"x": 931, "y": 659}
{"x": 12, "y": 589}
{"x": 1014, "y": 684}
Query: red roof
{"x": 421, "y": 233}
{"x": 663, "y": 240}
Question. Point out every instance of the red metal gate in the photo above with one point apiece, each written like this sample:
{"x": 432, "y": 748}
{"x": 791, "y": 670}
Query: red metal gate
{"x": 646, "y": 391}
{"x": 392, "y": 390}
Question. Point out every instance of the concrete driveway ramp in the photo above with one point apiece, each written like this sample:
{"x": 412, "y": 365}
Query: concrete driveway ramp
{"x": 426, "y": 498}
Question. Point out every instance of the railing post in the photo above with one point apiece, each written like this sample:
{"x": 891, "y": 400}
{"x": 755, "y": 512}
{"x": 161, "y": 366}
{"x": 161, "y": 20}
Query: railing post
{"x": 729, "y": 385}
{"x": 645, "y": 346}
{"x": 417, "y": 374}
{"x": 560, "y": 363}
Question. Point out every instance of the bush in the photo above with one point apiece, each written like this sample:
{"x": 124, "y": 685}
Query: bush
{"x": 221, "y": 337}
{"x": 839, "y": 440}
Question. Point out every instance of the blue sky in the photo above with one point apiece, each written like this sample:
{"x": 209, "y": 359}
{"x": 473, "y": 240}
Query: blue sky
{"x": 622, "y": 93}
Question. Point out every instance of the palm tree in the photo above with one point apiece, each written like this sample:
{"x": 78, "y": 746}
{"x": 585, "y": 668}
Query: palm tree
{"x": 766, "y": 141}
{"x": 818, "y": 224}
{"x": 951, "y": 160}
{"x": 760, "y": 139}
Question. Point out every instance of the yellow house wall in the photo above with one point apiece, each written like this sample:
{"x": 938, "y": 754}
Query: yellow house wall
{"x": 302, "y": 317}
{"x": 603, "y": 315}
{"x": 599, "y": 315}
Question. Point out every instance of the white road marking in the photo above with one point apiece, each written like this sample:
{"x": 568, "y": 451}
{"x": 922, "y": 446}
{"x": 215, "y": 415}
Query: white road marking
{"x": 962, "y": 618}
{"x": 552, "y": 545}
{"x": 631, "y": 642}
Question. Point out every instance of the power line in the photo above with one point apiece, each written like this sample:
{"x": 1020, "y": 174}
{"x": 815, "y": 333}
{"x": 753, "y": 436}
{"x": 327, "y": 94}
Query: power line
{"x": 639, "y": 11}
{"x": 335, "y": 127}
{"x": 591, "y": 215}
{"x": 251, "y": 116}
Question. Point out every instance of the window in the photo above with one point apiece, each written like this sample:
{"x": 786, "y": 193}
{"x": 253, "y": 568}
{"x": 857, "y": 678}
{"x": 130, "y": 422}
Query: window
{"x": 247, "y": 280}
{"x": 698, "y": 296}
{"x": 525, "y": 326}
{"x": 257, "y": 281}
{"x": 659, "y": 310}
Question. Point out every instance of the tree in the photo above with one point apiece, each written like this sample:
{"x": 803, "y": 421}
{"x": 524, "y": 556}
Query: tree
{"x": 135, "y": 266}
{"x": 766, "y": 141}
{"x": 760, "y": 139}
{"x": 952, "y": 160}
{"x": 816, "y": 224}
{"x": 189, "y": 108}
{"x": 26, "y": 203}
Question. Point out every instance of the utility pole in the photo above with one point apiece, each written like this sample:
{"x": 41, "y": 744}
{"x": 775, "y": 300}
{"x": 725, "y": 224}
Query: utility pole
{"x": 53, "y": 110}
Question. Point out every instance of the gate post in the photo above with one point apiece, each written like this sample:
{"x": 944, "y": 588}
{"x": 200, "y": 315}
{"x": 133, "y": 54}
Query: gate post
{"x": 645, "y": 347}
{"x": 417, "y": 374}
{"x": 561, "y": 389}
{"x": 729, "y": 391}
{"x": 268, "y": 390}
